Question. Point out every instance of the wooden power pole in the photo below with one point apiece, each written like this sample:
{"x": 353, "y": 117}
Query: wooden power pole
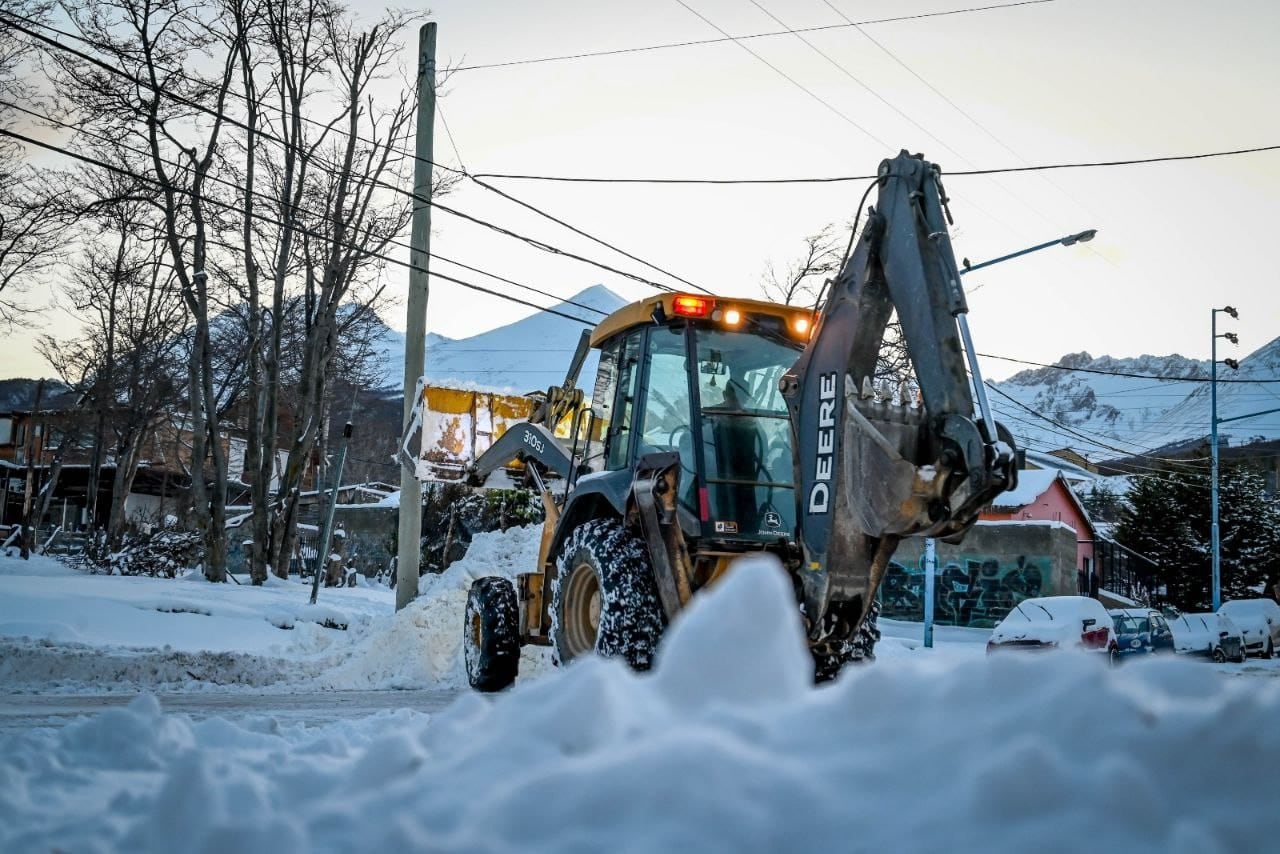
{"x": 415, "y": 333}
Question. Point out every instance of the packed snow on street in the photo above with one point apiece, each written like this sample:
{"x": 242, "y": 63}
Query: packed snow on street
{"x": 724, "y": 746}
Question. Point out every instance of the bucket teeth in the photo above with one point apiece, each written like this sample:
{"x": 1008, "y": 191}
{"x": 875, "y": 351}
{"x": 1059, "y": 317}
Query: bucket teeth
{"x": 868, "y": 390}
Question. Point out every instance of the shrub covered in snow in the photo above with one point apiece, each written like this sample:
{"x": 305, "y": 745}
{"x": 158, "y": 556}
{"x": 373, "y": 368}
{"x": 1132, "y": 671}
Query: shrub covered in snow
{"x": 161, "y": 553}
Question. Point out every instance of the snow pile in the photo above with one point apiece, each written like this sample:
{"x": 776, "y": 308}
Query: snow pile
{"x": 421, "y": 645}
{"x": 36, "y": 565}
{"x": 724, "y": 747}
{"x": 66, "y": 630}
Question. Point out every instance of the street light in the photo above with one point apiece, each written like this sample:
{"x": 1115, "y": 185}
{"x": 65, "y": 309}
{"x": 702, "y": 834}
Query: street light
{"x": 930, "y": 554}
{"x": 1070, "y": 240}
{"x": 1215, "y": 542}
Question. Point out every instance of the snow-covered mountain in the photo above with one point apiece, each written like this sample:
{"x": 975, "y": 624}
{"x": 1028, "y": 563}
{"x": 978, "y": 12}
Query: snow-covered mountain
{"x": 1189, "y": 418}
{"x": 390, "y": 350}
{"x": 1102, "y": 414}
{"x": 529, "y": 354}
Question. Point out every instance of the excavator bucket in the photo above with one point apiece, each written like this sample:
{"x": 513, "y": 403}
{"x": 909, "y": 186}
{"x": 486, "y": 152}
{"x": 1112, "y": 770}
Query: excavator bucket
{"x": 876, "y": 464}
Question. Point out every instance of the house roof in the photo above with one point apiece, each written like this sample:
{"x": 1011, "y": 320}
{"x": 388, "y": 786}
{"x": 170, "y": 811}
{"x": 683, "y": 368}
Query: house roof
{"x": 1032, "y": 483}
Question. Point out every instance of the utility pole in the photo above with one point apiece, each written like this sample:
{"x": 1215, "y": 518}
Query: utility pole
{"x": 415, "y": 333}
{"x": 322, "y": 565}
{"x": 1215, "y": 542}
{"x": 31, "y": 450}
{"x": 930, "y": 569}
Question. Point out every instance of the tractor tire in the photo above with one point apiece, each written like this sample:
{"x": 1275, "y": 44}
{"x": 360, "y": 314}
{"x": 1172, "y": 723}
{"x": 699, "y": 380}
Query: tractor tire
{"x": 491, "y": 634}
{"x": 830, "y": 657}
{"x": 605, "y": 598}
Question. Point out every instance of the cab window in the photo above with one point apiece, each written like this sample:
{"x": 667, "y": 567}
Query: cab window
{"x": 628, "y": 378}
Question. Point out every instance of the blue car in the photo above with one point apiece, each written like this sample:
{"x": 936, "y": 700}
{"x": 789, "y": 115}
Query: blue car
{"x": 1141, "y": 630}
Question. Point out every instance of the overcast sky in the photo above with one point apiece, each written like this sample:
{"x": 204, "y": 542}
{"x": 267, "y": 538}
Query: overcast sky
{"x": 1053, "y": 82}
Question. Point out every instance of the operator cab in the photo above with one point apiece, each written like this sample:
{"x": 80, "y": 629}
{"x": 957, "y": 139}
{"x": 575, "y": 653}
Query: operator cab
{"x": 700, "y": 376}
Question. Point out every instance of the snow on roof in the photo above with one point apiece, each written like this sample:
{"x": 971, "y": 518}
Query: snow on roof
{"x": 1032, "y": 483}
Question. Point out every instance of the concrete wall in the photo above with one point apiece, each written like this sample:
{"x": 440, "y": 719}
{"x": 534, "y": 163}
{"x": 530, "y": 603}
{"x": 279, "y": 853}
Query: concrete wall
{"x": 1055, "y": 505}
{"x": 979, "y": 581}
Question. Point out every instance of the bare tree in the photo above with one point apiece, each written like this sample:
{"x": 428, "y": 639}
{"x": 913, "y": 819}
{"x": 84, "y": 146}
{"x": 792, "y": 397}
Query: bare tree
{"x": 124, "y": 290}
{"x": 31, "y": 219}
{"x": 802, "y": 280}
{"x": 351, "y": 218}
{"x": 178, "y": 62}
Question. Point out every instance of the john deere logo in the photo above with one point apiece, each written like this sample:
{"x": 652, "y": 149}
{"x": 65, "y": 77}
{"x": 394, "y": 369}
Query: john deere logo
{"x": 773, "y": 520}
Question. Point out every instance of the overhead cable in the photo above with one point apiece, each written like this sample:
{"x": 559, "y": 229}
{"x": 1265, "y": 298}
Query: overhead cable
{"x": 727, "y": 38}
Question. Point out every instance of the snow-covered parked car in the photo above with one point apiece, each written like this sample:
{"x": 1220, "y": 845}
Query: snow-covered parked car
{"x": 1051, "y": 622}
{"x": 1259, "y": 619}
{"x": 1214, "y": 635}
{"x": 1141, "y": 630}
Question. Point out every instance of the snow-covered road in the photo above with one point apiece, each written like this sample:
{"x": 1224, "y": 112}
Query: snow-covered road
{"x": 314, "y": 708}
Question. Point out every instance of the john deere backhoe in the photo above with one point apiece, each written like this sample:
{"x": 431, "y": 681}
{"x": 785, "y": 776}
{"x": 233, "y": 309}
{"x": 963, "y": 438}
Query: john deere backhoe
{"x": 722, "y": 426}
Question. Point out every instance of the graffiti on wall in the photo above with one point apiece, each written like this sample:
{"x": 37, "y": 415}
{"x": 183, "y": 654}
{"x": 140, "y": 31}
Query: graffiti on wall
{"x": 968, "y": 591}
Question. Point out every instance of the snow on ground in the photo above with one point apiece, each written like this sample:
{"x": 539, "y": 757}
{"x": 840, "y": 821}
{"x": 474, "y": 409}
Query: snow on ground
{"x": 432, "y": 625}
{"x": 65, "y": 630}
{"x": 723, "y": 747}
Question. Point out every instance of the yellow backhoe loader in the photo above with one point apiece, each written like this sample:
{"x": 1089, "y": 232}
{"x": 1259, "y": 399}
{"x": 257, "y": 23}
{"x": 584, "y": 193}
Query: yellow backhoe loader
{"x": 721, "y": 426}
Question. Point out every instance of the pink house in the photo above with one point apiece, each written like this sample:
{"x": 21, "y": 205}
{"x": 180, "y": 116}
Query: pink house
{"x": 1044, "y": 495}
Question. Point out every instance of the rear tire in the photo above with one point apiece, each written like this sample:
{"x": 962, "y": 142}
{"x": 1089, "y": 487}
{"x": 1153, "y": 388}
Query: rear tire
{"x": 491, "y": 634}
{"x": 831, "y": 656}
{"x": 1219, "y": 656}
{"x": 605, "y": 598}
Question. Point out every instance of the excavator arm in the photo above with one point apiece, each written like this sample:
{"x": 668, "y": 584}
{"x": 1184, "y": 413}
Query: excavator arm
{"x": 873, "y": 468}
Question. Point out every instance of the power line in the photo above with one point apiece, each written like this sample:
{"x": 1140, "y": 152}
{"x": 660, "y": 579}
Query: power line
{"x": 833, "y": 179}
{"x": 537, "y": 244}
{"x": 299, "y": 208}
{"x": 849, "y": 74}
{"x": 794, "y": 82}
{"x": 970, "y": 118}
{"x": 1120, "y": 373}
{"x": 582, "y": 233}
{"x": 728, "y": 38}
{"x": 273, "y": 221}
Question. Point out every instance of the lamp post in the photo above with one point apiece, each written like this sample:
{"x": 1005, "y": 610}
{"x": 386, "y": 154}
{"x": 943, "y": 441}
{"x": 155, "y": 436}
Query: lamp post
{"x": 930, "y": 560}
{"x": 1070, "y": 240}
{"x": 1215, "y": 543}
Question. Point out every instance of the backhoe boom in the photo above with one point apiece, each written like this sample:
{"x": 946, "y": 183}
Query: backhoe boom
{"x": 871, "y": 471}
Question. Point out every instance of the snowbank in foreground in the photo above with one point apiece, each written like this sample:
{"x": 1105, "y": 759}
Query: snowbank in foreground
{"x": 724, "y": 747}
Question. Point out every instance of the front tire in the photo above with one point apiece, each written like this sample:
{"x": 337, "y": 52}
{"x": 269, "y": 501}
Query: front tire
{"x": 605, "y": 598}
{"x": 491, "y": 634}
{"x": 1269, "y": 650}
{"x": 1220, "y": 657}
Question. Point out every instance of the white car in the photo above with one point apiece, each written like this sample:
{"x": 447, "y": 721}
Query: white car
{"x": 1214, "y": 635}
{"x": 1050, "y": 622}
{"x": 1259, "y": 619}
